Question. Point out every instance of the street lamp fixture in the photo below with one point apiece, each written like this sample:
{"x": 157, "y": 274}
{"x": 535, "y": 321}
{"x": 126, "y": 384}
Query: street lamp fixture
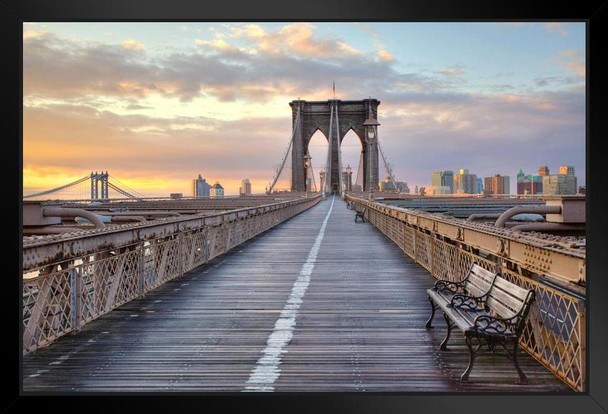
{"x": 370, "y": 125}
{"x": 307, "y": 159}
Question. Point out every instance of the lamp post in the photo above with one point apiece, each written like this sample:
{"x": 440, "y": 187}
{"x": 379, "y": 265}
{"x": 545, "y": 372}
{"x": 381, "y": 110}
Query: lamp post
{"x": 349, "y": 179}
{"x": 307, "y": 159}
{"x": 371, "y": 139}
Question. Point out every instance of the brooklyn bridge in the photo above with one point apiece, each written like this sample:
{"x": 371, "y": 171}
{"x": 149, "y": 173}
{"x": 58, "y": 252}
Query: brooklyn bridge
{"x": 316, "y": 289}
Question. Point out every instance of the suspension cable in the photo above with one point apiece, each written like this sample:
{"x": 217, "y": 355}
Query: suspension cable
{"x": 359, "y": 177}
{"x": 124, "y": 186}
{"x": 86, "y": 177}
{"x": 390, "y": 173}
{"x": 280, "y": 170}
{"x": 121, "y": 191}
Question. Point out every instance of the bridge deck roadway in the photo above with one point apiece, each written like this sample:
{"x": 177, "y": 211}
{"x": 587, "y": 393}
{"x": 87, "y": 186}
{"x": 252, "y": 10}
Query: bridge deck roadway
{"x": 253, "y": 320}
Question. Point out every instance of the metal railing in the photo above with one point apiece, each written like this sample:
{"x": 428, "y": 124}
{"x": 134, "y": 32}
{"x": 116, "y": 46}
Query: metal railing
{"x": 555, "y": 332}
{"x": 72, "y": 279}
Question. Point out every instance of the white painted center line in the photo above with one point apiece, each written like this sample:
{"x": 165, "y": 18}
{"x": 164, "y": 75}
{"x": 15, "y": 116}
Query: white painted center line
{"x": 267, "y": 369}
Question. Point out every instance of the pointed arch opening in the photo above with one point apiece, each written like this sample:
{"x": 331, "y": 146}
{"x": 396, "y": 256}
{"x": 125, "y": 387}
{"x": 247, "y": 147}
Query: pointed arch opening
{"x": 351, "y": 149}
{"x": 317, "y": 149}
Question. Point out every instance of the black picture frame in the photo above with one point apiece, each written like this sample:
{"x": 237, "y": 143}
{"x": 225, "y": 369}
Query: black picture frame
{"x": 594, "y": 13}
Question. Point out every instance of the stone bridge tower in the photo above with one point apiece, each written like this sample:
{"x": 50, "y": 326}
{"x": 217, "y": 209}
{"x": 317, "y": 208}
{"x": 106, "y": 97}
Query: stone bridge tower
{"x": 360, "y": 116}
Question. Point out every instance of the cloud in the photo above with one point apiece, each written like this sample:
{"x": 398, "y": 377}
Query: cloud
{"x": 385, "y": 56}
{"x": 132, "y": 44}
{"x": 487, "y": 134}
{"x": 426, "y": 123}
{"x": 31, "y": 33}
{"x": 573, "y": 61}
{"x": 556, "y": 28}
{"x": 453, "y": 71}
{"x": 133, "y": 106}
{"x": 75, "y": 136}
{"x": 293, "y": 39}
{"x": 54, "y": 67}
{"x": 217, "y": 44}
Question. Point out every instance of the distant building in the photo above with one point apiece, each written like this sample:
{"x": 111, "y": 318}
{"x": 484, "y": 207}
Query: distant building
{"x": 543, "y": 170}
{"x": 245, "y": 188}
{"x": 175, "y": 195}
{"x": 217, "y": 191}
{"x": 566, "y": 170}
{"x": 529, "y": 184}
{"x": 582, "y": 189}
{"x": 559, "y": 184}
{"x": 443, "y": 179}
{"x": 387, "y": 185}
{"x": 499, "y": 184}
{"x": 465, "y": 183}
{"x": 437, "y": 190}
{"x": 563, "y": 183}
{"x": 200, "y": 187}
{"x": 479, "y": 186}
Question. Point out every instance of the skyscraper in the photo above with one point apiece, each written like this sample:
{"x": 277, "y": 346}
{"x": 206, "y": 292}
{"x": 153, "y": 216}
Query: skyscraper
{"x": 245, "y": 188}
{"x": 566, "y": 170}
{"x": 499, "y": 184}
{"x": 465, "y": 183}
{"x": 563, "y": 183}
{"x": 529, "y": 184}
{"x": 543, "y": 170}
{"x": 443, "y": 179}
{"x": 200, "y": 187}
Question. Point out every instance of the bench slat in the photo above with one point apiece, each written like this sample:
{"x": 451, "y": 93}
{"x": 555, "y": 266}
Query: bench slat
{"x": 504, "y": 303}
{"x": 502, "y": 310}
{"x": 507, "y": 299}
{"x": 481, "y": 285}
{"x": 512, "y": 288}
{"x": 482, "y": 273}
{"x": 475, "y": 291}
{"x": 479, "y": 281}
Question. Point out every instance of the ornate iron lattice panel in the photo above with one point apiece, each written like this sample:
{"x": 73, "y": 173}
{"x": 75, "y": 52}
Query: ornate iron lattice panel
{"x": 555, "y": 332}
{"x": 47, "y": 308}
{"x": 56, "y": 302}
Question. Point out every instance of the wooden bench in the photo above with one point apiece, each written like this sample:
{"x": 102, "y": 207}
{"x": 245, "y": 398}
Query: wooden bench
{"x": 360, "y": 214}
{"x": 487, "y": 309}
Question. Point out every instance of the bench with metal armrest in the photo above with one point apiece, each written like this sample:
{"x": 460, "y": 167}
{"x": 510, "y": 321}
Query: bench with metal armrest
{"x": 360, "y": 214}
{"x": 487, "y": 309}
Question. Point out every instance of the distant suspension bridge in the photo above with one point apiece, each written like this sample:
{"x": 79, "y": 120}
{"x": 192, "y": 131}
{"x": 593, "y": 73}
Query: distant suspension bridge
{"x": 94, "y": 187}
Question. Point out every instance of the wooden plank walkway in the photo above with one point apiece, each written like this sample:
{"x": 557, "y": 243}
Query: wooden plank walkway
{"x": 358, "y": 325}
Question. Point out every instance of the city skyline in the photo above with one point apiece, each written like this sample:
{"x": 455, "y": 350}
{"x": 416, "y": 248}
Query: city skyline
{"x": 157, "y": 103}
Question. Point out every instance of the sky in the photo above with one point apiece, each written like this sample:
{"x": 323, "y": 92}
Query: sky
{"x": 157, "y": 103}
